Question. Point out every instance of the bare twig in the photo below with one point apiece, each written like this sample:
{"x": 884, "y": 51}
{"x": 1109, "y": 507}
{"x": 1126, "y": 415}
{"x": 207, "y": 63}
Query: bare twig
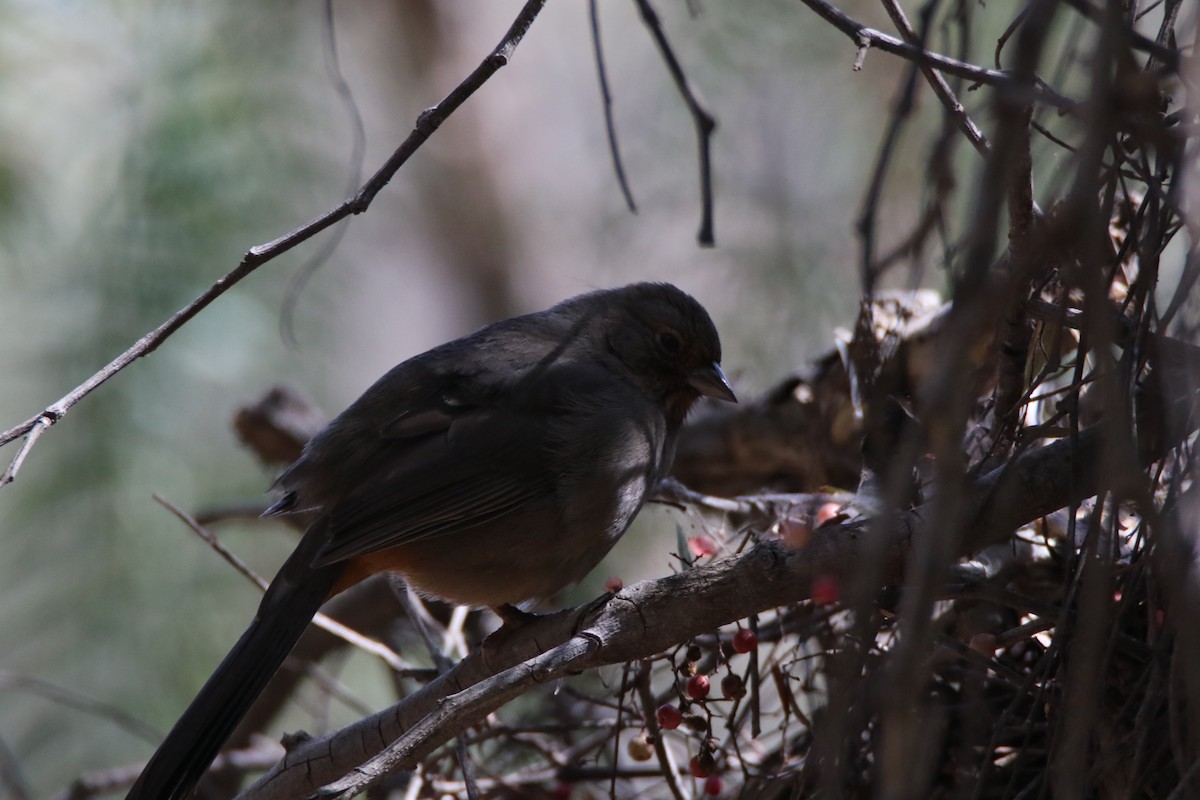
{"x": 706, "y": 123}
{"x": 72, "y": 698}
{"x": 424, "y": 623}
{"x": 40, "y": 425}
{"x": 427, "y": 123}
{"x": 866, "y": 222}
{"x": 1014, "y": 347}
{"x": 1008, "y": 32}
{"x": 471, "y": 703}
{"x": 352, "y": 637}
{"x": 859, "y": 33}
{"x": 102, "y": 783}
{"x": 940, "y": 87}
{"x": 12, "y": 777}
{"x": 358, "y": 148}
{"x": 1169, "y": 57}
{"x": 606, "y": 97}
{"x": 649, "y": 713}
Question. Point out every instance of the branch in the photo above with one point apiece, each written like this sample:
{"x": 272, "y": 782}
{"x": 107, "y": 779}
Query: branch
{"x": 649, "y": 617}
{"x": 326, "y": 623}
{"x": 705, "y": 122}
{"x": 1169, "y": 57}
{"x": 69, "y": 697}
{"x": 862, "y": 36}
{"x": 610, "y": 125}
{"x": 428, "y": 122}
{"x": 940, "y": 87}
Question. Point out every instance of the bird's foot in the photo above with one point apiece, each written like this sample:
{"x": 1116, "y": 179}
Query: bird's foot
{"x": 513, "y": 617}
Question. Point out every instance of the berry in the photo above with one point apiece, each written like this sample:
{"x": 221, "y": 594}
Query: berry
{"x": 640, "y": 748}
{"x": 744, "y": 640}
{"x": 732, "y": 687}
{"x": 614, "y": 584}
{"x": 828, "y": 514}
{"x": 669, "y": 717}
{"x": 702, "y": 546}
{"x": 561, "y": 791}
{"x": 713, "y": 785}
{"x": 825, "y": 590}
{"x": 984, "y": 644}
{"x": 702, "y": 765}
{"x": 698, "y": 686}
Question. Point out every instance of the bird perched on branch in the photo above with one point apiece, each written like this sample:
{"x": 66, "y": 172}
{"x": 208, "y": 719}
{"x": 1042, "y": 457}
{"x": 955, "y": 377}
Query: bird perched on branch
{"x": 491, "y": 470}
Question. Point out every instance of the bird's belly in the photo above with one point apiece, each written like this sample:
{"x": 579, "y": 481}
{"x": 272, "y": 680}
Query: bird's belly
{"x": 498, "y": 564}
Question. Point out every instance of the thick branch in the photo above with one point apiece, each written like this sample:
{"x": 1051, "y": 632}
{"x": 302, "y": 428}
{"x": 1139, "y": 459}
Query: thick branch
{"x": 650, "y": 617}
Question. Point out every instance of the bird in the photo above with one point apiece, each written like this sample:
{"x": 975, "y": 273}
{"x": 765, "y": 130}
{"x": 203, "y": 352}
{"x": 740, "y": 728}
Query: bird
{"x": 492, "y": 470}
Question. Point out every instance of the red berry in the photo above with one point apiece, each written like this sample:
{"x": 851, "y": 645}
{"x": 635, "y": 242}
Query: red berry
{"x": 698, "y": 686}
{"x": 669, "y": 717}
{"x": 744, "y": 640}
{"x": 702, "y": 766}
{"x": 984, "y": 644}
{"x": 702, "y": 546}
{"x": 614, "y": 584}
{"x": 561, "y": 791}
{"x": 825, "y": 590}
{"x": 827, "y": 513}
{"x": 713, "y": 785}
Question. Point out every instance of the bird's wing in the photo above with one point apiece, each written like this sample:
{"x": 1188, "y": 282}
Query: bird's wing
{"x": 484, "y": 465}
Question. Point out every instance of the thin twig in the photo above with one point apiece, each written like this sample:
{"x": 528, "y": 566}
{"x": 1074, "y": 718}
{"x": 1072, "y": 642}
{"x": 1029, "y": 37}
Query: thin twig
{"x": 887, "y": 148}
{"x": 72, "y": 698}
{"x": 12, "y": 777}
{"x": 939, "y": 84}
{"x": 328, "y": 684}
{"x": 473, "y": 702}
{"x": 1169, "y": 57}
{"x": 328, "y": 624}
{"x": 650, "y": 715}
{"x": 428, "y": 122}
{"x": 358, "y": 148}
{"x": 859, "y": 33}
{"x": 610, "y": 126}
{"x": 105, "y": 782}
{"x": 1008, "y": 32}
{"x": 40, "y": 425}
{"x": 706, "y": 123}
{"x": 424, "y": 622}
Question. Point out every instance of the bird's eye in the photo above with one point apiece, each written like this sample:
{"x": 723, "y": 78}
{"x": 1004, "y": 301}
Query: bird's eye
{"x": 669, "y": 342}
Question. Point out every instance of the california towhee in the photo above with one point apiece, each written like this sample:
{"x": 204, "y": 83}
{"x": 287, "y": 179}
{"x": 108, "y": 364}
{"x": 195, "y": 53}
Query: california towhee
{"x": 494, "y": 469}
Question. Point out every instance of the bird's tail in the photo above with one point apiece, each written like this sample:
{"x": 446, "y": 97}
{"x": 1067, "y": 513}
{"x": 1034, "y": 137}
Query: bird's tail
{"x": 286, "y": 609}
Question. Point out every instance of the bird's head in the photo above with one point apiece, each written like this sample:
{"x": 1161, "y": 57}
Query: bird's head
{"x": 669, "y": 343}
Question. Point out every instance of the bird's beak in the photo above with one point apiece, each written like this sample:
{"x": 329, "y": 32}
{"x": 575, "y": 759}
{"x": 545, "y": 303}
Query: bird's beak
{"x": 710, "y": 381}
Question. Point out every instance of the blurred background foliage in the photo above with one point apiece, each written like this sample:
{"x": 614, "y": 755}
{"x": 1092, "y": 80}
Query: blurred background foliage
{"x": 145, "y": 146}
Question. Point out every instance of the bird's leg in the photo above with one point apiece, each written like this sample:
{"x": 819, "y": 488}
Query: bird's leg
{"x": 589, "y": 610}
